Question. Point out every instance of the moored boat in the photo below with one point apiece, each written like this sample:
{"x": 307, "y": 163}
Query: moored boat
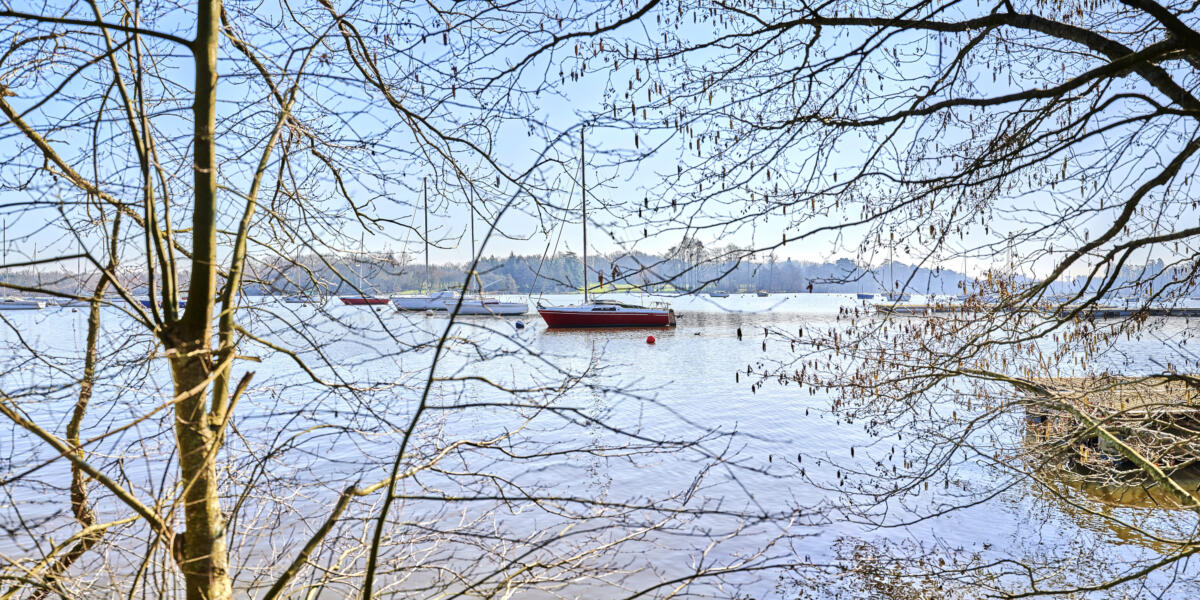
{"x": 145, "y": 302}
{"x": 485, "y": 306}
{"x": 865, "y": 296}
{"x": 434, "y": 301}
{"x": 362, "y": 300}
{"x": 300, "y": 300}
{"x": 20, "y": 304}
{"x": 606, "y": 313}
{"x": 763, "y": 293}
{"x": 719, "y": 294}
{"x": 601, "y": 313}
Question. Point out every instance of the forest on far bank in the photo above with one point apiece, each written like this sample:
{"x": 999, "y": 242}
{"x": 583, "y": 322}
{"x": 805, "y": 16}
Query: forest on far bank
{"x": 389, "y": 273}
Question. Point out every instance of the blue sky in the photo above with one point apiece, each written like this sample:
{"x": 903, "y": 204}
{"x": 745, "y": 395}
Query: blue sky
{"x": 558, "y": 112}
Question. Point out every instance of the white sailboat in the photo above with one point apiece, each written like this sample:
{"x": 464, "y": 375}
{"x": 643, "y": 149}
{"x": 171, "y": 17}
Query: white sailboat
{"x": 435, "y": 300}
{"x": 480, "y": 304}
{"x": 487, "y": 306}
{"x": 11, "y": 303}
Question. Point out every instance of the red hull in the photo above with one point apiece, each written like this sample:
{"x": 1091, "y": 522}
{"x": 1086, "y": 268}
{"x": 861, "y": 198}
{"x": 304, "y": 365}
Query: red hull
{"x": 363, "y": 301}
{"x": 572, "y": 318}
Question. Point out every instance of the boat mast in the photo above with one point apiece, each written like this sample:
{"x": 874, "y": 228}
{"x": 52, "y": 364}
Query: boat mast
{"x": 425, "y": 192}
{"x": 471, "y": 209}
{"x": 583, "y": 198}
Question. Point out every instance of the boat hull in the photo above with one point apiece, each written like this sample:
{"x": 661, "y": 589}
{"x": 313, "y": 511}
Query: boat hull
{"x": 422, "y": 302}
{"x": 579, "y": 318}
{"x": 359, "y": 301}
{"x": 418, "y": 303}
{"x": 21, "y": 305}
{"x": 147, "y": 304}
{"x": 475, "y": 307}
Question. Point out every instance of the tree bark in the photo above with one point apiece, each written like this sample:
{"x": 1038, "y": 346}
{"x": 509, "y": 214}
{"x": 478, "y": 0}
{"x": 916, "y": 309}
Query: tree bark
{"x": 203, "y": 552}
{"x": 203, "y": 556}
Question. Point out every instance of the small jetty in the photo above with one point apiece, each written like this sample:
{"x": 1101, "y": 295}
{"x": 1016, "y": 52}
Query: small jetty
{"x": 1121, "y": 424}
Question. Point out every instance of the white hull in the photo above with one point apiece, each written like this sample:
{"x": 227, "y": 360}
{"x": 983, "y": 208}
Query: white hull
{"x": 487, "y": 307}
{"x": 12, "y": 304}
{"x": 435, "y": 301}
{"x": 417, "y": 303}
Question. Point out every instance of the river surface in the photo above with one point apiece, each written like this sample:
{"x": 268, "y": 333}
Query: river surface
{"x": 679, "y": 423}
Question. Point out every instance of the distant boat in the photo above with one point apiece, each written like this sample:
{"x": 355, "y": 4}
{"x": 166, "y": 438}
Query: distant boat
{"x": 362, "y": 300}
{"x": 763, "y": 293}
{"x": 55, "y": 301}
{"x": 904, "y": 309}
{"x": 602, "y": 313}
{"x": 897, "y": 297}
{"x": 145, "y": 302}
{"x": 300, "y": 299}
{"x": 865, "y": 296}
{"x": 434, "y": 301}
{"x": 719, "y": 294}
{"x": 20, "y": 304}
{"x": 486, "y": 306}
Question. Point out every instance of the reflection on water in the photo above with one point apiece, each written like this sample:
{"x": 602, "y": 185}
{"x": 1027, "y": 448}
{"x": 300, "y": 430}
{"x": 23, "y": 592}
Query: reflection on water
{"x": 692, "y": 384}
{"x": 1145, "y": 495}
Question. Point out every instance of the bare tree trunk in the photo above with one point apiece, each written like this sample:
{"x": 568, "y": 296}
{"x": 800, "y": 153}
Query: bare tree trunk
{"x": 203, "y": 554}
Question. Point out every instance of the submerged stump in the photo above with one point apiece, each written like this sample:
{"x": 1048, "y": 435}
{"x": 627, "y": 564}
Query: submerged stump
{"x": 1114, "y": 425}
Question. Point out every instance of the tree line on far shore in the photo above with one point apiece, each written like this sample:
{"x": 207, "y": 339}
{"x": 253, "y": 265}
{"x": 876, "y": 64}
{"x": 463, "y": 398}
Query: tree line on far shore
{"x": 387, "y": 273}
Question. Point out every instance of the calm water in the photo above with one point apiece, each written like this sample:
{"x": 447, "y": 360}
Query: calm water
{"x": 763, "y": 451}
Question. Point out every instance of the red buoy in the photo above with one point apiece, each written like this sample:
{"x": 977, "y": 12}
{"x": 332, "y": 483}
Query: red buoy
{"x": 649, "y": 339}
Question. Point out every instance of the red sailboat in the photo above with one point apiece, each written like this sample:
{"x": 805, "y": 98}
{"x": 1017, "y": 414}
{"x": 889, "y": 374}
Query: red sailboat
{"x": 606, "y": 313}
{"x": 603, "y": 313}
